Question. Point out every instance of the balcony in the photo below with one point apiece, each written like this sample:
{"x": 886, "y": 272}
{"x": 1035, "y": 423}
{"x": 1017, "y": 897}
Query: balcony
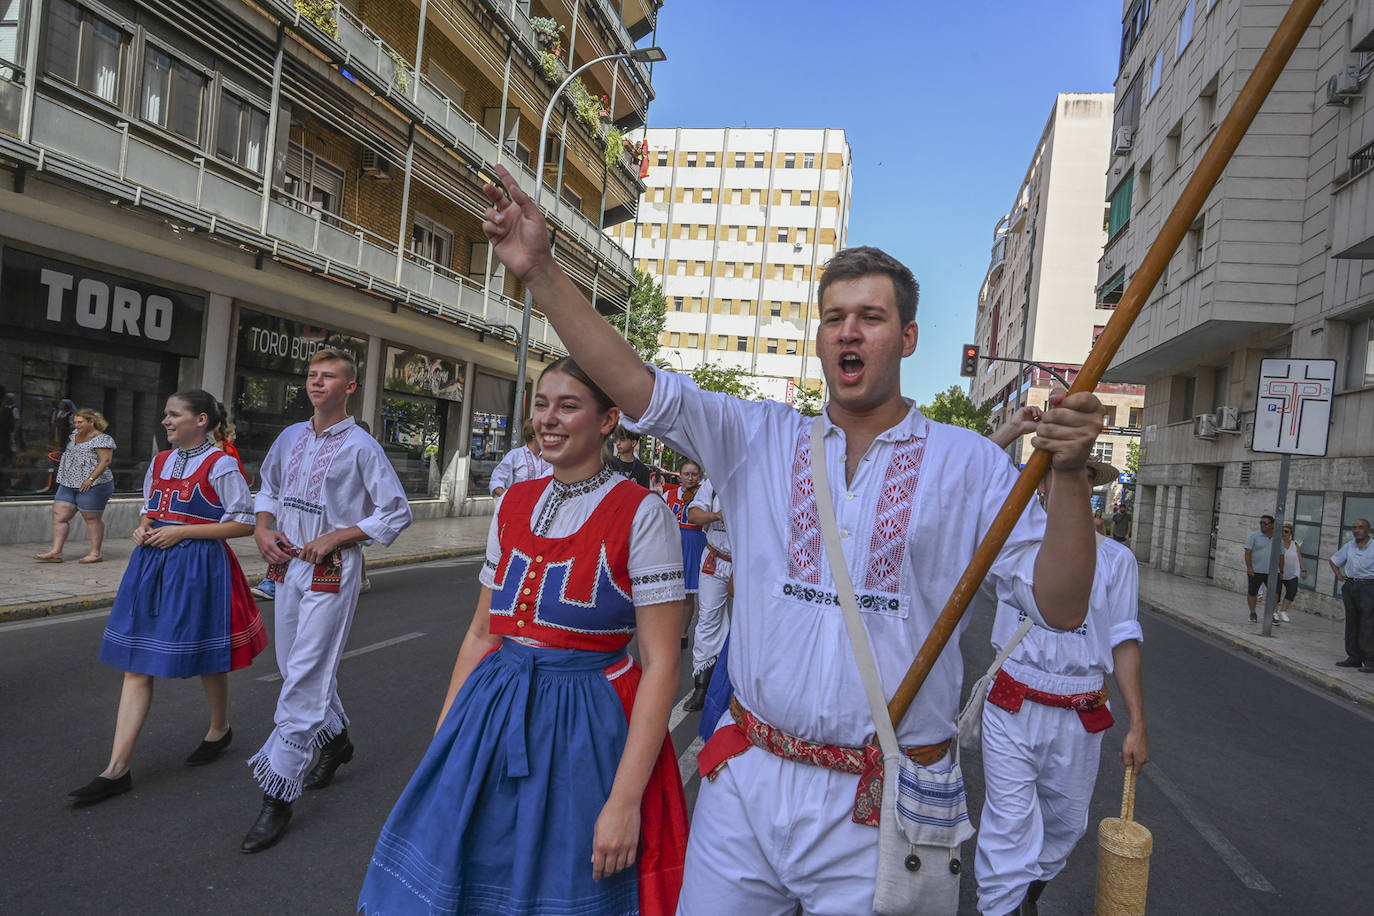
{"x": 121, "y": 165}
{"x": 999, "y": 255}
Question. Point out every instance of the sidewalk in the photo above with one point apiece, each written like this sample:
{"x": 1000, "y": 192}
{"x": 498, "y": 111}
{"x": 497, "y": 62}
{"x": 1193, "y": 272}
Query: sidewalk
{"x": 1307, "y": 648}
{"x": 32, "y": 589}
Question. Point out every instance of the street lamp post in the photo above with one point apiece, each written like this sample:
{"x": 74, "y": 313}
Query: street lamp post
{"x": 642, "y": 55}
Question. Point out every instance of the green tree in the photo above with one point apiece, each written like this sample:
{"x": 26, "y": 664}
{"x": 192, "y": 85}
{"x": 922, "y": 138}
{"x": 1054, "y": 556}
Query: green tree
{"x": 808, "y": 401}
{"x": 956, "y": 408}
{"x": 647, "y": 313}
{"x": 731, "y": 380}
{"x": 1132, "y": 458}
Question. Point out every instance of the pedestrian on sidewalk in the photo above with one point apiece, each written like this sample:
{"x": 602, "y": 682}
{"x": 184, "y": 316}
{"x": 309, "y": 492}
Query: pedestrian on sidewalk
{"x": 327, "y": 487}
{"x": 84, "y": 484}
{"x": 551, "y": 784}
{"x": 523, "y": 463}
{"x": 1044, "y": 719}
{"x": 713, "y": 592}
{"x": 913, "y": 499}
{"x": 626, "y": 461}
{"x": 1292, "y": 568}
{"x": 1353, "y": 565}
{"x": 1257, "y": 548}
{"x": 679, "y": 496}
{"x": 183, "y": 607}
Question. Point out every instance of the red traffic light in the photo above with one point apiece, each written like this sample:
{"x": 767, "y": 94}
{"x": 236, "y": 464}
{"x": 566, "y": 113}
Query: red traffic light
{"x": 969, "y": 366}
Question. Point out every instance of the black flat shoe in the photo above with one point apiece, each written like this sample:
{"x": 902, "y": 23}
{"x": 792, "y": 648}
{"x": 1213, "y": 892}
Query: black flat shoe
{"x": 209, "y": 751}
{"x": 333, "y": 755}
{"x": 269, "y": 827}
{"x": 101, "y": 788}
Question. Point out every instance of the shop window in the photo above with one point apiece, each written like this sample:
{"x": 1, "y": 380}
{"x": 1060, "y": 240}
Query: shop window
{"x": 1307, "y": 532}
{"x": 241, "y": 132}
{"x": 315, "y": 186}
{"x": 85, "y": 50}
{"x": 422, "y": 404}
{"x": 492, "y": 399}
{"x": 173, "y": 94}
{"x": 432, "y": 241}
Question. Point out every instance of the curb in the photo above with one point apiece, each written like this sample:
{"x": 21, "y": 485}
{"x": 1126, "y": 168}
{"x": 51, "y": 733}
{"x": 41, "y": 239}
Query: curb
{"x": 1307, "y": 673}
{"x": 75, "y": 604}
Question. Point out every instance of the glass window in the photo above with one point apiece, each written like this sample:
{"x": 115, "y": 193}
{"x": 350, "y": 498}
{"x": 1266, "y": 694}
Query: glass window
{"x": 758, "y": 160}
{"x": 12, "y": 21}
{"x": 1360, "y": 354}
{"x": 491, "y": 409}
{"x": 789, "y": 160}
{"x": 1156, "y": 74}
{"x": 241, "y": 132}
{"x": 1307, "y": 532}
{"x": 782, "y": 233}
{"x": 691, "y": 159}
{"x": 85, "y": 49}
{"x": 706, "y": 195}
{"x": 772, "y": 345}
{"x": 710, "y": 160}
{"x": 172, "y": 94}
{"x": 741, "y": 344}
{"x": 1185, "y": 27}
{"x": 740, "y": 160}
{"x": 430, "y": 240}
{"x": 662, "y": 158}
{"x": 1119, "y": 212}
{"x": 1353, "y": 506}
{"x": 809, "y": 160}
{"x": 806, "y": 198}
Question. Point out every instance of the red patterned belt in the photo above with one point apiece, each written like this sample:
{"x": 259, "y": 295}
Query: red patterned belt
{"x": 866, "y": 762}
{"x": 1008, "y": 693}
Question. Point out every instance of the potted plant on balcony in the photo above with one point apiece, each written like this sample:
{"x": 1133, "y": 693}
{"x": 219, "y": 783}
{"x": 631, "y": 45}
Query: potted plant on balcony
{"x": 321, "y": 13}
{"x": 547, "y": 32}
{"x": 615, "y": 147}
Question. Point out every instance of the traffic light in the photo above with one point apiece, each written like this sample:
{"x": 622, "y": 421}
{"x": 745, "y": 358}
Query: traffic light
{"x": 970, "y": 364}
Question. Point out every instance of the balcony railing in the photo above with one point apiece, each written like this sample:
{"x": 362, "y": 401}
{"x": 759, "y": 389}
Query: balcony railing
{"x": 118, "y": 161}
{"x": 999, "y": 253}
{"x": 1362, "y": 160}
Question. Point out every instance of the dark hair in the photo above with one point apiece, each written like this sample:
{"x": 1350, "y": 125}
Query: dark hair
{"x": 567, "y": 366}
{"x": 865, "y": 261}
{"x": 201, "y": 401}
{"x": 1267, "y": 518}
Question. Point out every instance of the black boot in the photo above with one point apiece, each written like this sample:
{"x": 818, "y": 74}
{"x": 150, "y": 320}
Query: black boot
{"x": 333, "y": 755}
{"x": 701, "y": 683}
{"x": 270, "y": 825}
{"x": 1031, "y": 905}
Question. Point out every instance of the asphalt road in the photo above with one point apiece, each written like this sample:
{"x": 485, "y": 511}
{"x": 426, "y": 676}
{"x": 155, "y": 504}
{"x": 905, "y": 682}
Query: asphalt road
{"x": 1257, "y": 796}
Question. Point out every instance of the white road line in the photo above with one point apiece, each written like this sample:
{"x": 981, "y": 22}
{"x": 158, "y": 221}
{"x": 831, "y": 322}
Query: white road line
{"x": 53, "y": 621}
{"x": 360, "y": 650}
{"x": 678, "y": 714}
{"x": 687, "y": 763}
{"x": 1246, "y": 872}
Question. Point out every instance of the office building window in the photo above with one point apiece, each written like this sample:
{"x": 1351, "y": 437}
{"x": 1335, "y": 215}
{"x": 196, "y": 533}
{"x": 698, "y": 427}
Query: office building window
{"x": 86, "y": 50}
{"x": 241, "y": 132}
{"x": 772, "y": 345}
{"x": 1185, "y": 28}
{"x": 775, "y": 309}
{"x": 741, "y": 344}
{"x": 173, "y": 94}
{"x": 706, "y": 195}
{"x": 1156, "y": 74}
{"x": 789, "y": 160}
{"x": 314, "y": 185}
{"x": 782, "y": 233}
{"x": 1102, "y": 451}
{"x": 801, "y": 235}
{"x": 662, "y": 157}
{"x": 758, "y": 160}
{"x": 1119, "y": 212}
{"x": 808, "y": 160}
{"x": 805, "y": 199}
{"x": 710, "y": 160}
{"x": 431, "y": 241}
{"x": 691, "y": 160}
{"x": 740, "y": 160}
{"x": 1360, "y": 354}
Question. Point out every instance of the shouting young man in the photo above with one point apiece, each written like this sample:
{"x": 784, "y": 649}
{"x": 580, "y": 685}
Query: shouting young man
{"x": 776, "y": 827}
{"x": 327, "y": 487}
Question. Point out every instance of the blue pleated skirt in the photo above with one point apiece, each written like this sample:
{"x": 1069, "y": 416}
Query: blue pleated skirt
{"x": 174, "y": 614}
{"x": 693, "y": 545}
{"x": 499, "y": 816}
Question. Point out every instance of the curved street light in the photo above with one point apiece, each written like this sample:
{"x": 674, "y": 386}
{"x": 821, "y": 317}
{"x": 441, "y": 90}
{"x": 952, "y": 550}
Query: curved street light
{"x": 642, "y": 55}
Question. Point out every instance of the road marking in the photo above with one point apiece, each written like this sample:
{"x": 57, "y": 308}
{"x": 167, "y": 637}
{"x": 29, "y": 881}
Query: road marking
{"x": 432, "y": 564}
{"x": 359, "y": 651}
{"x": 1235, "y": 860}
{"x": 678, "y": 714}
{"x": 54, "y": 620}
{"x": 687, "y": 763}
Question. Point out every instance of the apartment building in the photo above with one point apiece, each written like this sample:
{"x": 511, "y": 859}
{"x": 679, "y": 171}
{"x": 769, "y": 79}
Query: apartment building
{"x": 203, "y": 193}
{"x": 1038, "y": 300}
{"x": 1280, "y": 263}
{"x": 737, "y": 225}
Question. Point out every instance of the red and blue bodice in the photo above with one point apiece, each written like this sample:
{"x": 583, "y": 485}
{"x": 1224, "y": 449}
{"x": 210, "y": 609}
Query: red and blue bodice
{"x": 190, "y": 500}
{"x": 678, "y": 499}
{"x": 571, "y": 592}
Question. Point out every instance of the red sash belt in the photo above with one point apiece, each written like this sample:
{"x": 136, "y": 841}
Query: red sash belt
{"x": 713, "y": 556}
{"x": 327, "y": 577}
{"x": 1009, "y": 693}
{"x": 866, "y": 762}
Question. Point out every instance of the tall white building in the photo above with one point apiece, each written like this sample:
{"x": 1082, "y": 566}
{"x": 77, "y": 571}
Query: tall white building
{"x": 737, "y": 225}
{"x": 1280, "y": 263}
{"x": 1037, "y": 302}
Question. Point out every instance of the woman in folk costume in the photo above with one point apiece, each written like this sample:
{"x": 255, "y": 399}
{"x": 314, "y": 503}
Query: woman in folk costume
{"x": 551, "y": 786}
{"x": 678, "y": 498}
{"x": 183, "y": 606}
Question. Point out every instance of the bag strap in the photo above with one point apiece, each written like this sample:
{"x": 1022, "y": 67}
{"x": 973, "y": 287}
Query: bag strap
{"x": 844, "y": 590}
{"x": 1012, "y": 643}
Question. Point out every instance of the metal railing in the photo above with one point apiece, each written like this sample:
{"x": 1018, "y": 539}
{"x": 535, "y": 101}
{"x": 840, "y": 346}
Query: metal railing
{"x": 999, "y": 253}
{"x": 1362, "y": 160}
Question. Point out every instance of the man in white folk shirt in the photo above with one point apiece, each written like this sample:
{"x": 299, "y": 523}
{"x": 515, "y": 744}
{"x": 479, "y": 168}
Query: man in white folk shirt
{"x": 1045, "y": 716}
{"x": 327, "y": 488}
{"x": 520, "y": 464}
{"x": 713, "y": 592}
{"x": 774, "y": 834}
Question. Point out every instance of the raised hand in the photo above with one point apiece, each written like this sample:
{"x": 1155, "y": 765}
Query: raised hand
{"x": 518, "y": 233}
{"x": 1069, "y": 428}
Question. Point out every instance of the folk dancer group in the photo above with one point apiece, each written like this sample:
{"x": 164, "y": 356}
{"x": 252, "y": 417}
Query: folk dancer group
{"x": 551, "y": 785}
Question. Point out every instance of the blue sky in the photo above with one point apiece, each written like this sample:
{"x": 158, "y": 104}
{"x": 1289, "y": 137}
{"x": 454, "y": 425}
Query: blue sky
{"x": 942, "y": 103}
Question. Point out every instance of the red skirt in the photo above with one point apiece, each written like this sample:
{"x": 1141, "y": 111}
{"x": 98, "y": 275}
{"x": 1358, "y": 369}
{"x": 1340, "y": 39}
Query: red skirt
{"x": 662, "y": 818}
{"x": 247, "y": 635}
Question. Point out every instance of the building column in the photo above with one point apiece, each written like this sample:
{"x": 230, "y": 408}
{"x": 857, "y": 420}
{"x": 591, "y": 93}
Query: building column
{"x": 1195, "y": 522}
{"x": 1142, "y": 522}
{"x": 372, "y": 384}
{"x": 214, "y": 360}
{"x": 465, "y": 424}
{"x": 1161, "y": 497}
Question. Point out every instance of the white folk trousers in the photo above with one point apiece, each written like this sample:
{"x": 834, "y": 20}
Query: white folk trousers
{"x": 311, "y": 629}
{"x": 713, "y": 616}
{"x": 1039, "y": 767}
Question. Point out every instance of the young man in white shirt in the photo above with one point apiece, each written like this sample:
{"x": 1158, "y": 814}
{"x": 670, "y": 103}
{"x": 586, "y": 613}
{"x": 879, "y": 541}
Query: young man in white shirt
{"x": 713, "y": 592}
{"x": 327, "y": 488}
{"x": 523, "y": 463}
{"x": 772, "y": 833}
{"x": 1353, "y": 564}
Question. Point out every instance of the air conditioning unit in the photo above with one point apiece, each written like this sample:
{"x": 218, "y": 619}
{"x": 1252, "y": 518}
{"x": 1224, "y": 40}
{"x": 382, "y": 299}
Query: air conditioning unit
{"x": 375, "y": 164}
{"x": 1124, "y": 136}
{"x": 1205, "y": 426}
{"x": 1343, "y": 86}
{"x": 1228, "y": 419}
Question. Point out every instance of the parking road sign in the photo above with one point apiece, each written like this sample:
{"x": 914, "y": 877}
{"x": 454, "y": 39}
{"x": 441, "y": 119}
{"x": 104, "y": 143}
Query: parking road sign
{"x": 1293, "y": 406}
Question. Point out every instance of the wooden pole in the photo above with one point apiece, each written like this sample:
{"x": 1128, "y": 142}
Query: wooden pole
{"x": 1286, "y": 37}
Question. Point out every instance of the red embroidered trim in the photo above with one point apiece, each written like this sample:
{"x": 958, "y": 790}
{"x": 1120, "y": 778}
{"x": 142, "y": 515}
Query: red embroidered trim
{"x": 804, "y": 551}
{"x": 892, "y": 517}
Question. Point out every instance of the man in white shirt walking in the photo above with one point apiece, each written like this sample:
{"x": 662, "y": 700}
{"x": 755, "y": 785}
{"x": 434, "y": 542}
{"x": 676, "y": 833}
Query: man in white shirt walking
{"x": 774, "y": 830}
{"x": 523, "y": 463}
{"x": 1353, "y": 564}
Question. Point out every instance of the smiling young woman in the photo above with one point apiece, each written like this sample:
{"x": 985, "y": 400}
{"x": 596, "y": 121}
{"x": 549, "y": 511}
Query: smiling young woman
{"x": 577, "y": 564}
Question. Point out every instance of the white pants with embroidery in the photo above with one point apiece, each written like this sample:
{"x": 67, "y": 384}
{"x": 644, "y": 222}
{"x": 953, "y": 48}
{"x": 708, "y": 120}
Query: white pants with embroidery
{"x": 311, "y": 629}
{"x": 713, "y": 615}
{"x": 1039, "y": 768}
